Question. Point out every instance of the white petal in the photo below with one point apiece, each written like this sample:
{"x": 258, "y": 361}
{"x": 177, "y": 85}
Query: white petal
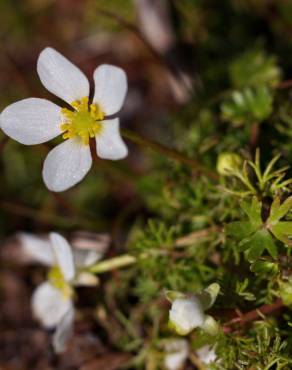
{"x": 63, "y": 332}
{"x": 85, "y": 240}
{"x": 206, "y": 354}
{"x": 109, "y": 143}
{"x": 186, "y": 314}
{"x": 49, "y": 306}
{"x": 64, "y": 255}
{"x": 177, "y": 351}
{"x": 61, "y": 77}
{"x": 110, "y": 88}
{"x": 66, "y": 165}
{"x": 36, "y": 248}
{"x": 31, "y": 121}
{"x": 84, "y": 258}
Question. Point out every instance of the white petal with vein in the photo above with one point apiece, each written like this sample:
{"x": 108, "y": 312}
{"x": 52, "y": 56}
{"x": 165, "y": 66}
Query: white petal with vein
{"x": 110, "y": 88}
{"x": 49, "y": 306}
{"x": 61, "y": 77}
{"x": 31, "y": 121}
{"x": 84, "y": 258}
{"x": 64, "y": 331}
{"x": 64, "y": 255}
{"x": 109, "y": 143}
{"x": 66, "y": 165}
{"x": 36, "y": 248}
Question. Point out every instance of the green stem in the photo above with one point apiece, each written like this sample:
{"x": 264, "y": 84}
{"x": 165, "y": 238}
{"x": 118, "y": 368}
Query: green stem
{"x": 170, "y": 153}
{"x": 113, "y": 263}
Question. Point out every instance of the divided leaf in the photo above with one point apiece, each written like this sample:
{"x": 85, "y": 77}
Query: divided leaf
{"x": 282, "y": 230}
{"x": 253, "y": 236}
{"x": 248, "y": 106}
{"x": 240, "y": 230}
{"x": 278, "y": 210}
{"x": 260, "y": 241}
{"x": 254, "y": 68}
{"x": 253, "y": 212}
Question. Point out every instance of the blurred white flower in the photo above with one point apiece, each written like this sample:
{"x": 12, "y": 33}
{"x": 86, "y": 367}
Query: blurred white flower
{"x": 35, "y": 121}
{"x": 206, "y": 354}
{"x": 186, "y": 314}
{"x": 187, "y": 310}
{"x": 177, "y": 351}
{"x": 52, "y": 301}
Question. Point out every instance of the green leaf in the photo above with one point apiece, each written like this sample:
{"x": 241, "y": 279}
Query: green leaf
{"x": 240, "y": 229}
{"x": 282, "y": 231}
{"x": 254, "y": 68}
{"x": 260, "y": 241}
{"x": 279, "y": 211}
{"x": 241, "y": 290}
{"x": 248, "y": 106}
{"x": 253, "y": 212}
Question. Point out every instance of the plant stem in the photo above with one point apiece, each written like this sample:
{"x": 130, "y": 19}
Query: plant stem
{"x": 254, "y": 314}
{"x": 170, "y": 153}
{"x": 196, "y": 236}
{"x": 113, "y": 263}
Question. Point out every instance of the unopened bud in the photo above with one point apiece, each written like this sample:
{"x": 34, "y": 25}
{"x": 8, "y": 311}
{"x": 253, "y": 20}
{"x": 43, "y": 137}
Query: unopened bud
{"x": 286, "y": 292}
{"x": 210, "y": 325}
{"x": 264, "y": 267}
{"x": 228, "y": 163}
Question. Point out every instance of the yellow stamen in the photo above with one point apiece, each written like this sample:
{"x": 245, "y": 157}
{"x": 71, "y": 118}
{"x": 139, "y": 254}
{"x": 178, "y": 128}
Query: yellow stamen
{"x": 84, "y": 121}
{"x": 56, "y": 278}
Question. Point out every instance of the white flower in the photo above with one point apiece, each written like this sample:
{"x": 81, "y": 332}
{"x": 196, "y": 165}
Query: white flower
{"x": 187, "y": 310}
{"x": 177, "y": 351}
{"x": 206, "y": 354}
{"x": 52, "y": 301}
{"x": 186, "y": 314}
{"x": 34, "y": 121}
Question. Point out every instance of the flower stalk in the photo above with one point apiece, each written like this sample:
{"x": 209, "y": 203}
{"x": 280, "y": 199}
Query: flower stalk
{"x": 170, "y": 153}
{"x": 113, "y": 263}
{"x": 252, "y": 315}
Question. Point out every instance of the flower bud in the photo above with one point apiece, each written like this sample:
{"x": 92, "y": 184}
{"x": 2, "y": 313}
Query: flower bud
{"x": 286, "y": 292}
{"x": 228, "y": 163}
{"x": 210, "y": 325}
{"x": 208, "y": 296}
{"x": 264, "y": 267}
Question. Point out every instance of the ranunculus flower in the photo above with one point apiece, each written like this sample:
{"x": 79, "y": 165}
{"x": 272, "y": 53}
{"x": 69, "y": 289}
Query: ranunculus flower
{"x": 176, "y": 353}
{"x": 35, "y": 121}
{"x": 206, "y": 354}
{"x": 52, "y": 301}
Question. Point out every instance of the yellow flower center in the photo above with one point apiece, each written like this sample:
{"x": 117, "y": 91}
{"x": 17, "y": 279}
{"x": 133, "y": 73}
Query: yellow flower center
{"x": 84, "y": 122}
{"x": 56, "y": 278}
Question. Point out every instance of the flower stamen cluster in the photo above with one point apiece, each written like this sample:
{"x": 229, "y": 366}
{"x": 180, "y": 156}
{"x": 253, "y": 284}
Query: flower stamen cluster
{"x": 56, "y": 278}
{"x": 83, "y": 122}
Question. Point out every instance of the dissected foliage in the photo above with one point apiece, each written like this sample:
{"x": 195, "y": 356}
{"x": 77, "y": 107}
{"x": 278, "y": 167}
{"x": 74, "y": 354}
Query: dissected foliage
{"x": 185, "y": 229}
